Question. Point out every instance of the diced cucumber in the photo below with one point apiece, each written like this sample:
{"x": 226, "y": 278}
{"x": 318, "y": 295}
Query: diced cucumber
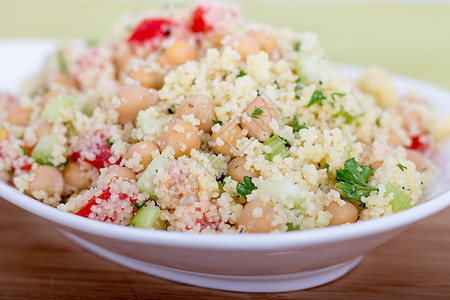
{"x": 311, "y": 70}
{"x": 283, "y": 189}
{"x": 145, "y": 182}
{"x": 42, "y": 152}
{"x": 278, "y": 146}
{"x": 401, "y": 200}
{"x": 147, "y": 217}
{"x": 291, "y": 227}
{"x": 54, "y": 107}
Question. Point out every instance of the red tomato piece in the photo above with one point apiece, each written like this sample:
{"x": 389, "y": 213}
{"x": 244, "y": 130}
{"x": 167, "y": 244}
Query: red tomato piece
{"x": 198, "y": 21}
{"x": 96, "y": 144}
{"x": 149, "y": 29}
{"x": 86, "y": 210}
{"x": 421, "y": 142}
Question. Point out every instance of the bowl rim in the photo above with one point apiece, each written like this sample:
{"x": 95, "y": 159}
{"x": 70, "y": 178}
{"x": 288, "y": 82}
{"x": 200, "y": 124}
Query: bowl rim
{"x": 258, "y": 241}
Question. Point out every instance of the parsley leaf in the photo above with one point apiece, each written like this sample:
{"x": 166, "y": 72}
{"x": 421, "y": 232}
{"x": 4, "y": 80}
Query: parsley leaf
{"x": 277, "y": 84}
{"x": 297, "y": 46}
{"x": 241, "y": 73}
{"x": 340, "y": 95}
{"x": 109, "y": 143}
{"x": 348, "y": 118}
{"x": 317, "y": 96}
{"x": 257, "y": 112}
{"x": 25, "y": 152}
{"x": 296, "y": 126}
{"x": 138, "y": 206}
{"x": 298, "y": 87}
{"x": 217, "y": 122}
{"x": 246, "y": 187}
{"x": 11, "y": 172}
{"x": 402, "y": 167}
{"x": 354, "y": 181}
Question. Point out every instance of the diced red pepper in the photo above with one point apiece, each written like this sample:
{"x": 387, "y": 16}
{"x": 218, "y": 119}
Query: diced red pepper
{"x": 421, "y": 143}
{"x": 98, "y": 146}
{"x": 149, "y": 29}
{"x": 85, "y": 211}
{"x": 198, "y": 21}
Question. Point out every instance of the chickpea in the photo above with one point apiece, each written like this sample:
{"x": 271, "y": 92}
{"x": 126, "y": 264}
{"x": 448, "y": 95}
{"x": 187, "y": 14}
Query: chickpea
{"x": 267, "y": 42}
{"x": 121, "y": 58}
{"x": 257, "y": 125}
{"x": 19, "y": 116}
{"x": 237, "y": 171}
{"x": 394, "y": 139}
{"x": 43, "y": 129}
{"x": 119, "y": 171}
{"x": 49, "y": 96}
{"x": 245, "y": 45}
{"x": 154, "y": 80}
{"x": 182, "y": 136}
{"x": 77, "y": 176}
{"x": 417, "y": 158}
{"x": 134, "y": 98}
{"x": 202, "y": 108}
{"x": 65, "y": 80}
{"x": 347, "y": 213}
{"x": 48, "y": 179}
{"x": 226, "y": 138}
{"x": 180, "y": 52}
{"x": 144, "y": 149}
{"x": 258, "y": 217}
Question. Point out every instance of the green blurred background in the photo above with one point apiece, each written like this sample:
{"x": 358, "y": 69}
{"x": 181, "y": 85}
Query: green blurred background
{"x": 409, "y": 38}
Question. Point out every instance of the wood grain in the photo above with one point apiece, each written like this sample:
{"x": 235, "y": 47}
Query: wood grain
{"x": 36, "y": 262}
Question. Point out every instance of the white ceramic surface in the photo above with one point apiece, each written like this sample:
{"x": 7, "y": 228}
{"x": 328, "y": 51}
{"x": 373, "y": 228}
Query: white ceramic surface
{"x": 250, "y": 263}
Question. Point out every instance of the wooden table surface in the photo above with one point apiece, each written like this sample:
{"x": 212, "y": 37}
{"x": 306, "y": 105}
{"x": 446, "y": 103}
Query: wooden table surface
{"x": 38, "y": 262}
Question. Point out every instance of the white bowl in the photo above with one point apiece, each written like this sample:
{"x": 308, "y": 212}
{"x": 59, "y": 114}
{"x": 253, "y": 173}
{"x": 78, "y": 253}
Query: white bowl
{"x": 250, "y": 263}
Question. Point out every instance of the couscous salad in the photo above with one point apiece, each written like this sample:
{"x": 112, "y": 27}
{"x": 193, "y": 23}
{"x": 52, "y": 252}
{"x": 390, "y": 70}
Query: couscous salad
{"x": 196, "y": 120}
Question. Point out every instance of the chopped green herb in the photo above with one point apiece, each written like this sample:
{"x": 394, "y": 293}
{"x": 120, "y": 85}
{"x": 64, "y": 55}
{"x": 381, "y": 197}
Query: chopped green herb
{"x": 327, "y": 166}
{"x": 162, "y": 50}
{"x": 20, "y": 137}
{"x": 193, "y": 81}
{"x": 278, "y": 146}
{"x": 257, "y": 93}
{"x": 236, "y": 167}
{"x": 292, "y": 227}
{"x": 297, "y": 46}
{"x": 298, "y": 87}
{"x": 246, "y": 187}
{"x": 25, "y": 152}
{"x": 377, "y": 122}
{"x": 340, "y": 95}
{"x": 348, "y": 118}
{"x": 62, "y": 62}
{"x": 317, "y": 96}
{"x": 402, "y": 167}
{"x": 138, "y": 206}
{"x": 11, "y": 172}
{"x": 109, "y": 143}
{"x": 241, "y": 73}
{"x": 354, "y": 181}
{"x": 276, "y": 83}
{"x": 217, "y": 122}
{"x": 61, "y": 165}
{"x": 257, "y": 112}
{"x": 296, "y": 126}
